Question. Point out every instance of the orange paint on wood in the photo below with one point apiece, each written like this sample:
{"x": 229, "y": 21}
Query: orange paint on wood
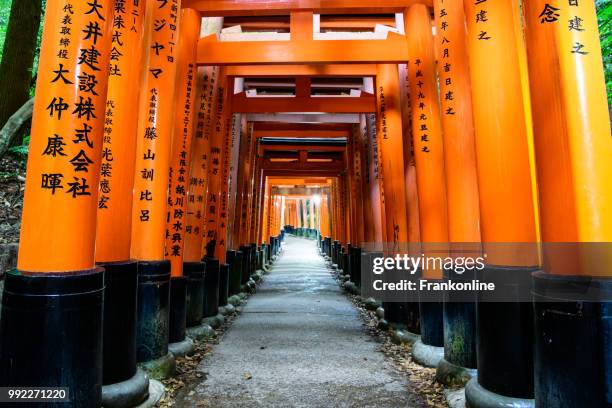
{"x": 58, "y": 227}
{"x": 324, "y": 217}
{"x": 412, "y": 199}
{"x": 244, "y": 165}
{"x": 200, "y": 152}
{"x": 186, "y": 85}
{"x": 114, "y": 223}
{"x": 267, "y": 213}
{"x": 503, "y": 139}
{"x": 257, "y": 180}
{"x": 390, "y": 138}
{"x": 221, "y": 121}
{"x": 375, "y": 171}
{"x": 154, "y": 136}
{"x": 572, "y": 137}
{"x": 369, "y": 229}
{"x": 270, "y": 71}
{"x": 427, "y": 135}
{"x": 392, "y": 50}
{"x": 231, "y": 134}
{"x": 457, "y": 123}
{"x": 284, "y": 7}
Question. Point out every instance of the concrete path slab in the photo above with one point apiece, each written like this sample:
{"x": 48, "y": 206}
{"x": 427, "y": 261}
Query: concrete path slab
{"x": 298, "y": 343}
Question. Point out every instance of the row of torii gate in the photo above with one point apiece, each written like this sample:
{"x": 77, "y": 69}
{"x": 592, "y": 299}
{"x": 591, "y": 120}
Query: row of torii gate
{"x": 148, "y": 155}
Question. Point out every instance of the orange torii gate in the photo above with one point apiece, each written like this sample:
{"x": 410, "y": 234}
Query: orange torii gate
{"x": 516, "y": 170}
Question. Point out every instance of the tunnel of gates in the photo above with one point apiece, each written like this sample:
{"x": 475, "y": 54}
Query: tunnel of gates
{"x": 174, "y": 143}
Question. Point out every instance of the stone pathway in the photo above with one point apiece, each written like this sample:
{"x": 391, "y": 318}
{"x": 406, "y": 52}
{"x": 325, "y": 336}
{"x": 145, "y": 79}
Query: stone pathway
{"x": 299, "y": 342}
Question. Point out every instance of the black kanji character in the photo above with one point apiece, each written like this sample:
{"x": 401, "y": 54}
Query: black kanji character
{"x": 55, "y": 146}
{"x": 51, "y": 181}
{"x": 85, "y": 107}
{"x": 81, "y": 162}
{"x": 87, "y": 83}
{"x": 78, "y": 188}
{"x": 60, "y": 75}
{"x": 578, "y": 49}
{"x": 94, "y": 9}
{"x": 89, "y": 57}
{"x": 92, "y": 30}
{"x": 549, "y": 14}
{"x": 57, "y": 105}
{"x": 575, "y": 24}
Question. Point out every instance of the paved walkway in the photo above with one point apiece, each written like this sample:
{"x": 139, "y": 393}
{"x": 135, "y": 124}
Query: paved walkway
{"x": 299, "y": 342}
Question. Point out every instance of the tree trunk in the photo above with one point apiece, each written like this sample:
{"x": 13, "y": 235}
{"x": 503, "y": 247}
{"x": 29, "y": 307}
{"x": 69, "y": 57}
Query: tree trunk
{"x": 14, "y": 124}
{"x": 18, "y": 57}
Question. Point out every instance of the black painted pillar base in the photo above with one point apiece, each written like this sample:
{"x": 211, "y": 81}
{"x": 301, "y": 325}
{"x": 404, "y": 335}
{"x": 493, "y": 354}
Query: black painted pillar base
{"x": 179, "y": 344}
{"x": 194, "y": 272}
{"x": 260, "y": 259}
{"x": 234, "y": 260}
{"x": 253, "y": 259}
{"x": 211, "y": 288}
{"x": 459, "y": 363}
{"x": 178, "y": 309}
{"x": 152, "y": 328}
{"x": 573, "y": 341}
{"x": 355, "y": 265}
{"x": 403, "y": 315}
{"x": 272, "y": 249}
{"x": 343, "y": 262}
{"x": 119, "y": 343}
{"x": 336, "y": 253}
{"x": 264, "y": 255}
{"x": 124, "y": 385}
{"x": 429, "y": 350}
{"x": 246, "y": 265}
{"x": 504, "y": 340}
{"x": 126, "y": 394}
{"x": 224, "y": 272}
{"x": 432, "y": 327}
{"x": 51, "y": 333}
{"x": 333, "y": 254}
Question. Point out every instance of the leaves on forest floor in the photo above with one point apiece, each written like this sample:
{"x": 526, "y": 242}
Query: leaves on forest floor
{"x": 12, "y": 179}
{"x": 187, "y": 373}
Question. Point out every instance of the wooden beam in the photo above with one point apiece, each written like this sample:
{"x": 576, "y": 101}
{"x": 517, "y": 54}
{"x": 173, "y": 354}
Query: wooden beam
{"x": 304, "y": 118}
{"x": 297, "y": 147}
{"x": 299, "y": 192}
{"x": 225, "y": 8}
{"x": 284, "y": 181}
{"x": 361, "y": 104}
{"x": 301, "y": 133}
{"x": 333, "y": 70}
{"x": 308, "y": 168}
{"x": 328, "y": 22}
{"x": 280, "y": 126}
{"x": 394, "y": 50}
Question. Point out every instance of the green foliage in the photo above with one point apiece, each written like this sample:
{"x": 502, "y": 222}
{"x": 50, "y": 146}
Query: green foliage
{"x": 21, "y": 151}
{"x": 5, "y": 13}
{"x": 8, "y": 176}
{"x": 604, "y": 17}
